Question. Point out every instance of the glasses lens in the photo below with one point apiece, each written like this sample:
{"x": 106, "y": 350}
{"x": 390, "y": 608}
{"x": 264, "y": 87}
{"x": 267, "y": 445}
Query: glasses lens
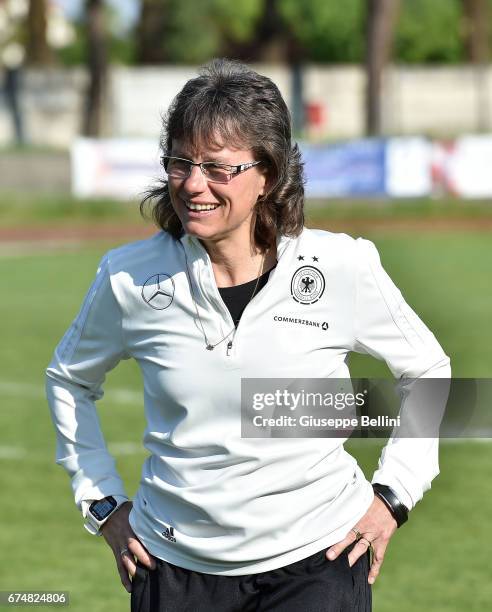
{"x": 179, "y": 168}
{"x": 217, "y": 172}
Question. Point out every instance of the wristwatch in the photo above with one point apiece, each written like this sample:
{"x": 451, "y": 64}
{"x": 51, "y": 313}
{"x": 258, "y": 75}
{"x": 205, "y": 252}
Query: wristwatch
{"x": 389, "y": 498}
{"x": 100, "y": 510}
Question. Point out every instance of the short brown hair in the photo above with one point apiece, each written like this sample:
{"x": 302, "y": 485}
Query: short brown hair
{"x": 241, "y": 106}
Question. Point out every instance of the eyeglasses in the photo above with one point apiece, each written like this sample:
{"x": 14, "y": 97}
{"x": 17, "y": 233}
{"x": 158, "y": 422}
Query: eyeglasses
{"x": 177, "y": 167}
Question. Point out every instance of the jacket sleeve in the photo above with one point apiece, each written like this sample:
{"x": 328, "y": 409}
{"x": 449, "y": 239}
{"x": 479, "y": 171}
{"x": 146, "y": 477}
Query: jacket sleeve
{"x": 388, "y": 329}
{"x": 92, "y": 346}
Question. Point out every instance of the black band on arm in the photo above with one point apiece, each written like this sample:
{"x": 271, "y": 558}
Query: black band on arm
{"x": 391, "y": 501}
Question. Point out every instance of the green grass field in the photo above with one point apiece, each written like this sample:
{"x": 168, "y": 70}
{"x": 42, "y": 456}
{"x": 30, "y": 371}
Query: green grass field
{"x": 438, "y": 562}
{"x": 61, "y": 209}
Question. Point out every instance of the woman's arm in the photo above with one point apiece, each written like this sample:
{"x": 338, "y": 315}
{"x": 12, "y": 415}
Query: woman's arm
{"x": 388, "y": 329}
{"x": 92, "y": 346}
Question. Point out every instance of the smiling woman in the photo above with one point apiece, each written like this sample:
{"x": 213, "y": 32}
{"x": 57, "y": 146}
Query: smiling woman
{"x": 234, "y": 180}
{"x": 215, "y": 201}
{"x": 234, "y": 287}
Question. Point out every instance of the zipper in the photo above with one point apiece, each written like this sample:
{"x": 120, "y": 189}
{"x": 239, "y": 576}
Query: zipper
{"x": 230, "y": 343}
{"x": 215, "y": 297}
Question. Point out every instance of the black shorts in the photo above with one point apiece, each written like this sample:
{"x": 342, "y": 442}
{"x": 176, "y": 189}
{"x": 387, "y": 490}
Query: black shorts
{"x": 314, "y": 584}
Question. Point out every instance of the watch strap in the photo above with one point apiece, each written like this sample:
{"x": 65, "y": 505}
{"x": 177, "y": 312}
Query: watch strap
{"x": 92, "y": 524}
{"x": 389, "y": 498}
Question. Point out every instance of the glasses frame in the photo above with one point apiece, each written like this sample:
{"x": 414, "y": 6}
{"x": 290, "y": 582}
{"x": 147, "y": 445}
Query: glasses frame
{"x": 233, "y": 170}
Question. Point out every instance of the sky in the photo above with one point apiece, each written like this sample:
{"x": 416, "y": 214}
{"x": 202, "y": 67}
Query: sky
{"x": 128, "y": 9}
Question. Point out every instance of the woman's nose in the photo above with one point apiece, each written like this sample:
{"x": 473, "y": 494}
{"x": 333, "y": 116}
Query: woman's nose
{"x": 196, "y": 181}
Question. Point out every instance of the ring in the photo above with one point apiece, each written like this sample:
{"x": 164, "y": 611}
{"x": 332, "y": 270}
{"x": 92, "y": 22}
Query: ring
{"x": 358, "y": 534}
{"x": 123, "y": 551}
{"x": 369, "y": 543}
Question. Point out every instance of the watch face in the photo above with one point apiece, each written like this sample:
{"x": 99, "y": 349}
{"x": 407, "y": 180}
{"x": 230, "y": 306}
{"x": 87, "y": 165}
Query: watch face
{"x": 102, "y": 508}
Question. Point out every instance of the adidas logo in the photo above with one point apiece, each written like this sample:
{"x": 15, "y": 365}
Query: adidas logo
{"x": 168, "y": 533}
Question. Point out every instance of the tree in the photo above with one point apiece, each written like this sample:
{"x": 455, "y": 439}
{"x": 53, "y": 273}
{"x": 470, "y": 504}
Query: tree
{"x": 37, "y": 49}
{"x": 173, "y": 31}
{"x": 273, "y": 40}
{"x": 327, "y": 32}
{"x": 270, "y": 39}
{"x": 429, "y": 31}
{"x": 192, "y": 31}
{"x": 151, "y": 32}
{"x": 380, "y": 24}
{"x": 98, "y": 68}
{"x": 477, "y": 30}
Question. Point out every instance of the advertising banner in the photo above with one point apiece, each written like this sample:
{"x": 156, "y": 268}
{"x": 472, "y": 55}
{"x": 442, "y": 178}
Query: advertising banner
{"x": 120, "y": 168}
{"x": 463, "y": 167}
{"x": 355, "y": 168}
{"x": 408, "y": 167}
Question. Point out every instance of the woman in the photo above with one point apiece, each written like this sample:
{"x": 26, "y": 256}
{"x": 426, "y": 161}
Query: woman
{"x": 221, "y": 522}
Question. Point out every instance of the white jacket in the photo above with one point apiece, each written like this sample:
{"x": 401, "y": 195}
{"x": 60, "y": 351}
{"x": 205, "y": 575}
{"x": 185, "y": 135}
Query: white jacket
{"x": 210, "y": 500}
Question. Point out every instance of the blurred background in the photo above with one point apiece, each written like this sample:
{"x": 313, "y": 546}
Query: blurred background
{"x": 391, "y": 103}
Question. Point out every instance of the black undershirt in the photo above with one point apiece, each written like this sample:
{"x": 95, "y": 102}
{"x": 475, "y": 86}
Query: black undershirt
{"x": 238, "y": 297}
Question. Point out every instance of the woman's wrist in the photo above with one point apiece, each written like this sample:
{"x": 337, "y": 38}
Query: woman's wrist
{"x": 389, "y": 498}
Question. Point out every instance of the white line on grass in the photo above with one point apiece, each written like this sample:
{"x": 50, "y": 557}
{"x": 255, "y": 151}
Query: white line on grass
{"x": 12, "y": 452}
{"x": 121, "y": 396}
{"x": 30, "y": 391}
{"x": 125, "y": 449}
{"x": 27, "y": 248}
{"x": 11, "y": 389}
{"x": 120, "y": 449}
{"x": 24, "y": 390}
{"x": 117, "y": 449}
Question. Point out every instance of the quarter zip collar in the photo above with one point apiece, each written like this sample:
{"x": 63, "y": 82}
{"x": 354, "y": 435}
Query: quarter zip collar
{"x": 282, "y": 243}
{"x": 194, "y": 247}
{"x": 206, "y": 293}
{"x": 201, "y": 272}
{"x": 202, "y": 277}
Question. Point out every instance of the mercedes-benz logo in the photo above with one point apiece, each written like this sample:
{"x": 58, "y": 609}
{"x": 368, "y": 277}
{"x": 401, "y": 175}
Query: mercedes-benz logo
{"x": 158, "y": 291}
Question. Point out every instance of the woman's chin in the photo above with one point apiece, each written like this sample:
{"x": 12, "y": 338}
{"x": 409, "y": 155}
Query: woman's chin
{"x": 201, "y": 225}
{"x": 200, "y": 232}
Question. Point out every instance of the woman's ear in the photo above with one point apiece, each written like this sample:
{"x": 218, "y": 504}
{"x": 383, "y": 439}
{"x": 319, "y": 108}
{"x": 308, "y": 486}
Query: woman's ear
{"x": 267, "y": 181}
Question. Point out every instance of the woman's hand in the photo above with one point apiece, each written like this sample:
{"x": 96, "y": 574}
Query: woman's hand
{"x": 376, "y": 527}
{"x": 125, "y": 544}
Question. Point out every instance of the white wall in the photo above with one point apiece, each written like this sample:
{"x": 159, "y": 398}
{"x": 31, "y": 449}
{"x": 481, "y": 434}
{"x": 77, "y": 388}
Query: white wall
{"x": 437, "y": 101}
{"x": 52, "y": 106}
{"x": 340, "y": 90}
{"x": 416, "y": 100}
{"x": 140, "y": 96}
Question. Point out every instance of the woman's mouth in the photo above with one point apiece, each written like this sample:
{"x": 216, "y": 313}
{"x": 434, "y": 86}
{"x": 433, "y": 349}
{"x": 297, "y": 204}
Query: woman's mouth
{"x": 200, "y": 207}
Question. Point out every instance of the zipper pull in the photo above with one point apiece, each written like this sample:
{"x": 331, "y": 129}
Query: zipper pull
{"x": 229, "y": 347}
